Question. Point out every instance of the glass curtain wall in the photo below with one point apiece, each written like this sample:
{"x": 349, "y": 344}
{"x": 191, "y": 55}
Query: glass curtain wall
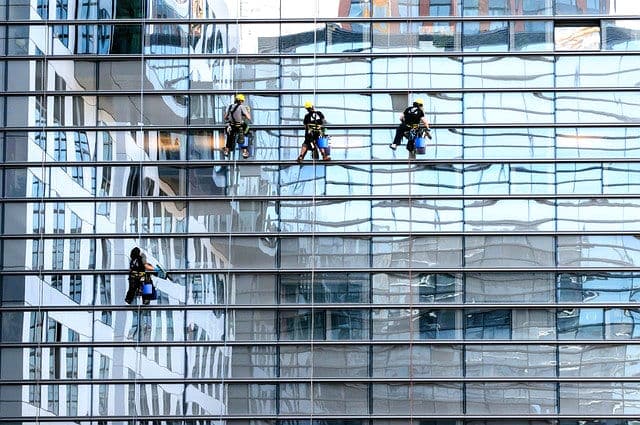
{"x": 492, "y": 280}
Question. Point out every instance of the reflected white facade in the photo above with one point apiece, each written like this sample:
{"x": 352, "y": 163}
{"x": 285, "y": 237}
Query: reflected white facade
{"x": 493, "y": 280}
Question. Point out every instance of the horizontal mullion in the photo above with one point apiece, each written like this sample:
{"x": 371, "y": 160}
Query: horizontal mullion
{"x": 216, "y": 418}
{"x": 319, "y": 198}
{"x": 320, "y": 20}
{"x": 191, "y": 418}
{"x": 321, "y": 306}
{"x": 371, "y": 270}
{"x": 332, "y": 127}
{"x": 314, "y": 343}
{"x": 197, "y": 163}
{"x": 286, "y": 235}
{"x": 364, "y": 92}
{"x": 296, "y": 380}
{"x": 320, "y": 55}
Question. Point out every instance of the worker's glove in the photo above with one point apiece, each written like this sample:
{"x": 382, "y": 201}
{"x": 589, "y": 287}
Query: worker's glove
{"x": 160, "y": 272}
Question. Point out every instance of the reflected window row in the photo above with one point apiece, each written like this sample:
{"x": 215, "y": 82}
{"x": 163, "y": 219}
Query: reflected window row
{"x": 327, "y": 253}
{"x": 274, "y": 9}
{"x": 330, "y": 362}
{"x": 93, "y": 186}
{"x": 364, "y": 73}
{"x": 349, "y": 399}
{"x": 329, "y": 324}
{"x": 498, "y": 144}
{"x": 322, "y": 288}
{"x": 443, "y": 109}
{"x": 213, "y": 38}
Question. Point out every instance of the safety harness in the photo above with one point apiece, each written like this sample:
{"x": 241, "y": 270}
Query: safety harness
{"x": 232, "y": 110}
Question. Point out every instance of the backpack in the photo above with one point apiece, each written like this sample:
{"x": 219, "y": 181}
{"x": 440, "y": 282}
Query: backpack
{"x": 412, "y": 115}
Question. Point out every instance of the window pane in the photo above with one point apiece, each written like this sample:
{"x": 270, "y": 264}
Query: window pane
{"x": 489, "y": 143}
{"x": 598, "y": 251}
{"x": 532, "y": 35}
{"x": 601, "y": 398}
{"x": 510, "y": 360}
{"x": 596, "y": 288}
{"x": 605, "y": 107}
{"x": 509, "y": 251}
{"x": 577, "y": 38}
{"x": 485, "y": 36}
{"x": 497, "y": 108}
{"x": 418, "y": 361}
{"x": 323, "y": 288}
{"x": 621, "y": 34}
{"x": 341, "y": 361}
{"x": 508, "y": 72}
{"x": 599, "y": 361}
{"x": 511, "y": 398}
{"x": 396, "y": 288}
{"x": 594, "y": 71}
{"x": 509, "y": 287}
{"x": 331, "y": 216}
{"x": 590, "y": 215}
{"x": 417, "y": 252}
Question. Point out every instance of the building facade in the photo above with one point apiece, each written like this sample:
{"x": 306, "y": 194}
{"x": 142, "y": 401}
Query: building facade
{"x": 493, "y": 280}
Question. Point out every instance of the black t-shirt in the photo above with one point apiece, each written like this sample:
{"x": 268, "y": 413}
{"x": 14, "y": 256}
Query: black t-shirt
{"x": 136, "y": 265}
{"x": 314, "y": 117}
{"x": 413, "y": 115}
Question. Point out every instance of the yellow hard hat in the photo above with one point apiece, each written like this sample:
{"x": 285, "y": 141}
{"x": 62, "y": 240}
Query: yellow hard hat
{"x": 240, "y": 97}
{"x": 308, "y": 104}
{"x": 419, "y": 101}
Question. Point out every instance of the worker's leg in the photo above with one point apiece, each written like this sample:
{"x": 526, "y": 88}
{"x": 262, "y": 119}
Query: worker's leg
{"x": 397, "y": 140}
{"x": 131, "y": 292}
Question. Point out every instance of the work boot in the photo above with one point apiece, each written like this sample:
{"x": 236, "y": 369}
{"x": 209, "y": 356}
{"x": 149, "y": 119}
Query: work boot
{"x": 393, "y": 146}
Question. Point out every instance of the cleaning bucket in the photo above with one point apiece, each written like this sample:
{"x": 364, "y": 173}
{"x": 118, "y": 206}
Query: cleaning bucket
{"x": 421, "y": 145}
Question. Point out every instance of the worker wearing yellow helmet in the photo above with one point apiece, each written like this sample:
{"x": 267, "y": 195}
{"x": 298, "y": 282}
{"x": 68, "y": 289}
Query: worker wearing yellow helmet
{"x": 314, "y": 122}
{"x": 412, "y": 117}
{"x": 237, "y": 117}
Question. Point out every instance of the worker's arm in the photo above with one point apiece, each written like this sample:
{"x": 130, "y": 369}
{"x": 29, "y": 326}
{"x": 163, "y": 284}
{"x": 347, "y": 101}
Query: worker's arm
{"x": 247, "y": 114}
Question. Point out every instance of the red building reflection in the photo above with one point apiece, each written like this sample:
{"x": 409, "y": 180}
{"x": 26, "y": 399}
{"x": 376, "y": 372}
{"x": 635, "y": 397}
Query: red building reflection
{"x": 393, "y": 8}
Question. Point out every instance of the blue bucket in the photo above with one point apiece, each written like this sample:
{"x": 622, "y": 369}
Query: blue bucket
{"x": 323, "y": 142}
{"x": 421, "y": 145}
{"x": 147, "y": 289}
{"x": 244, "y": 142}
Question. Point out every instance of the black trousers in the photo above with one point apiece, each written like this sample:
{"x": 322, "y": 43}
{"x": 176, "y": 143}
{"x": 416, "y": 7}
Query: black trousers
{"x": 231, "y": 137}
{"x": 402, "y": 128}
{"x": 134, "y": 285}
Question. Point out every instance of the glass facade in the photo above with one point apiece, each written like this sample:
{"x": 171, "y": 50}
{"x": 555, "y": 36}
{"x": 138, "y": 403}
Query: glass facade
{"x": 494, "y": 280}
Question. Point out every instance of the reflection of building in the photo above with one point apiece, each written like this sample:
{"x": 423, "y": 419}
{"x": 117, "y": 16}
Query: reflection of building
{"x": 58, "y": 235}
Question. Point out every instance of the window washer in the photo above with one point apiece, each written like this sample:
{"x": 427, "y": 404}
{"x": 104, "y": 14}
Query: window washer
{"x": 140, "y": 272}
{"x": 313, "y": 129}
{"x": 411, "y": 119}
{"x": 237, "y": 117}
